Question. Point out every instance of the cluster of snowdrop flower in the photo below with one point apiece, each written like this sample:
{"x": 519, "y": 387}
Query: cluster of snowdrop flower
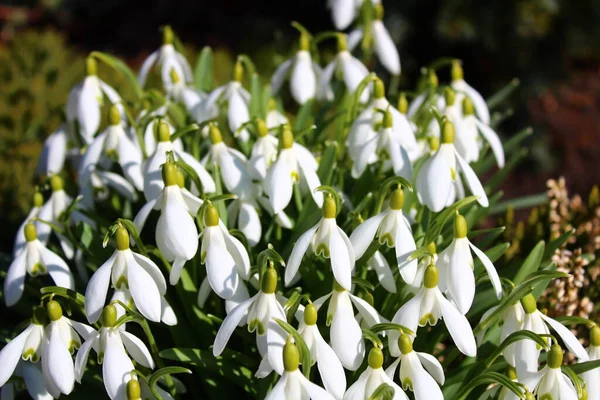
{"x": 347, "y": 246}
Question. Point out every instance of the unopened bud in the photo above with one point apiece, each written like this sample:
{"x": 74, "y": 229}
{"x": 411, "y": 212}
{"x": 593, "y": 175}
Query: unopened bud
{"x": 342, "y": 43}
{"x": 38, "y": 199}
{"x": 287, "y": 137}
{"x": 56, "y": 183}
{"x": 134, "y": 391}
{"x": 378, "y": 12}
{"x": 405, "y": 344}
{"x": 432, "y": 248}
{"x": 468, "y": 108}
{"x": 304, "y": 44}
{"x": 388, "y": 120}
{"x": 261, "y": 128}
{"x": 434, "y": 143}
{"x": 174, "y": 76}
{"x": 595, "y": 336}
{"x": 449, "y": 96}
{"x": 168, "y": 35}
{"x": 238, "y": 71}
{"x": 433, "y": 78}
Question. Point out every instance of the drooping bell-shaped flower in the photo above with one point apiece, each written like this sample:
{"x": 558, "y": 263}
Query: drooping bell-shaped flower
{"x": 328, "y": 240}
{"x": 167, "y": 59}
{"x": 35, "y": 259}
{"x": 176, "y": 233}
{"x": 430, "y": 257}
{"x": 127, "y": 270}
{"x": 53, "y": 155}
{"x": 351, "y": 70}
{"x": 153, "y": 182}
{"x": 264, "y": 151}
{"x": 85, "y": 102}
{"x": 511, "y": 320}
{"x": 418, "y": 372}
{"x": 151, "y": 130}
{"x": 451, "y": 110}
{"x": 527, "y": 352}
{"x": 302, "y": 71}
{"x": 112, "y": 345}
{"x": 179, "y": 91}
{"x": 20, "y": 241}
{"x": 427, "y": 307}
{"x": 328, "y": 363}
{"x": 276, "y": 117}
{"x": 293, "y": 384}
{"x": 295, "y": 164}
{"x": 227, "y": 261}
{"x": 455, "y": 266}
{"x": 465, "y": 90}
{"x": 373, "y": 377}
{"x": 243, "y": 215}
{"x": 592, "y": 377}
{"x": 384, "y": 46}
{"x": 390, "y": 228}
{"x": 436, "y": 180}
{"x": 551, "y": 383}
{"x": 343, "y": 12}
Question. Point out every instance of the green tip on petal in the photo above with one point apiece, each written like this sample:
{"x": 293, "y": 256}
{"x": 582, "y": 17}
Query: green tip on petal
{"x": 457, "y": 71}
{"x": 402, "y": 103}
{"x": 54, "y": 310}
{"x": 378, "y": 12}
{"x": 434, "y": 143}
{"x": 211, "y": 216}
{"x": 91, "y": 66}
{"x": 311, "y": 314}
{"x": 261, "y": 128}
{"x": 433, "y": 78}
{"x": 291, "y": 357}
{"x": 468, "y": 108}
{"x": 174, "y": 76}
{"x": 449, "y": 96}
{"x": 169, "y": 174}
{"x": 529, "y": 304}
{"x": 405, "y": 344}
{"x": 215, "y": 134}
{"x": 460, "y": 227}
{"x": 555, "y": 356}
{"x": 122, "y": 239}
{"x": 238, "y": 71}
{"x": 329, "y": 207}
{"x": 40, "y": 317}
{"x": 375, "y": 358}
{"x": 114, "y": 115}
{"x": 109, "y": 316}
{"x": 595, "y": 336}
{"x": 431, "y": 277}
{"x": 388, "y": 120}
{"x": 269, "y": 281}
{"x": 134, "y": 391}
{"x": 287, "y": 137}
{"x": 168, "y": 35}
{"x": 38, "y": 199}
{"x": 447, "y": 132}
{"x": 56, "y": 183}
{"x": 342, "y": 42}
{"x": 379, "y": 91}
{"x": 163, "y": 133}
{"x": 30, "y": 232}
{"x": 397, "y": 199}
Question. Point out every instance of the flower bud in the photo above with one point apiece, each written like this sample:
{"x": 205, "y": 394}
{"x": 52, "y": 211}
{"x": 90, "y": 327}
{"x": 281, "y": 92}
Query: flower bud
{"x": 468, "y": 108}
{"x": 114, "y": 115}
{"x": 434, "y": 143}
{"x": 449, "y": 96}
{"x": 30, "y": 232}
{"x": 397, "y": 199}
{"x": 211, "y": 216}
{"x": 329, "y": 207}
{"x": 261, "y": 128}
{"x": 238, "y": 71}
{"x": 161, "y": 130}
{"x": 388, "y": 121}
{"x": 457, "y": 71}
{"x": 56, "y": 183}
{"x": 174, "y": 76}
{"x": 291, "y": 357}
{"x": 431, "y": 277}
{"x": 122, "y": 239}
{"x": 109, "y": 316}
{"x": 447, "y": 132}
{"x": 460, "y": 227}
{"x": 215, "y": 134}
{"x": 38, "y": 199}
{"x": 529, "y": 304}
{"x": 375, "y": 358}
{"x": 40, "y": 317}
{"x": 310, "y": 314}
{"x": 342, "y": 43}
{"x": 379, "y": 89}
{"x": 595, "y": 336}
{"x": 54, "y": 310}
{"x": 287, "y": 137}
{"x": 134, "y": 390}
{"x": 269, "y": 281}
{"x": 304, "y": 42}
{"x": 169, "y": 174}
{"x": 402, "y": 103}
{"x": 405, "y": 344}
{"x": 168, "y": 35}
{"x": 91, "y": 67}
{"x": 555, "y": 356}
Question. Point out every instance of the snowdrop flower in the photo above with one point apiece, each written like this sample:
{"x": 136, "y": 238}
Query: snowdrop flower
{"x": 20, "y": 241}
{"x": 303, "y": 73}
{"x": 54, "y": 152}
{"x": 275, "y": 117}
{"x": 465, "y": 90}
{"x": 153, "y": 182}
{"x": 177, "y": 90}
{"x": 592, "y": 377}
{"x": 343, "y": 12}
{"x": 373, "y": 377}
{"x": 243, "y": 214}
{"x": 114, "y": 144}
{"x": 551, "y": 383}
{"x": 418, "y": 371}
{"x": 430, "y": 257}
{"x": 167, "y": 314}
{"x": 264, "y": 151}
{"x": 232, "y": 164}
{"x": 436, "y": 179}
{"x": 35, "y": 259}
{"x": 294, "y": 165}
{"x": 238, "y": 104}
{"x": 351, "y": 69}
{"x": 392, "y": 229}
{"x": 328, "y": 240}
{"x": 527, "y": 352}
{"x": 86, "y": 100}
{"x": 427, "y": 307}
{"x": 455, "y": 265}
{"x": 127, "y": 270}
{"x": 345, "y": 334}
{"x": 293, "y": 385}
{"x": 226, "y": 259}
{"x": 468, "y": 143}
{"x": 329, "y": 365}
{"x": 511, "y": 320}
{"x": 260, "y": 312}
{"x": 151, "y": 130}
{"x": 112, "y": 345}
{"x": 429, "y": 96}
{"x": 384, "y": 45}
{"x": 167, "y": 59}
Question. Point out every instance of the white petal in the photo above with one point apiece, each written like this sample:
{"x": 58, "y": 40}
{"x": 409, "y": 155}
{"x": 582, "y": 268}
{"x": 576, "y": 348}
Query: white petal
{"x": 405, "y": 245}
{"x": 491, "y": 271}
{"x": 346, "y": 339}
{"x": 472, "y": 181}
{"x": 416, "y": 104}
{"x": 494, "y": 141}
{"x": 343, "y": 13}
{"x": 146, "y": 66}
{"x": 151, "y": 268}
{"x": 298, "y": 251}
{"x": 88, "y": 110}
{"x": 366, "y": 311}
{"x": 176, "y": 231}
{"x": 460, "y": 278}
{"x": 60, "y": 364}
{"x": 342, "y": 258}
{"x": 237, "y": 114}
{"x": 137, "y": 349}
{"x": 116, "y": 367}
{"x": 142, "y": 215}
{"x": 229, "y": 324}
{"x": 353, "y": 39}
{"x": 249, "y": 223}
{"x": 354, "y": 73}
{"x": 167, "y": 315}
{"x": 234, "y": 174}
{"x": 54, "y": 152}
{"x": 208, "y": 184}
{"x": 97, "y": 288}
{"x": 11, "y": 354}
{"x": 398, "y": 392}
{"x": 279, "y": 75}
{"x": 458, "y": 327}
{"x": 82, "y": 358}
{"x": 330, "y": 368}
{"x": 220, "y": 265}
{"x": 34, "y": 382}
{"x": 57, "y": 268}
{"x": 433, "y": 366}
{"x": 567, "y": 337}
{"x": 203, "y": 293}
{"x": 384, "y": 273}
{"x": 14, "y": 283}
{"x": 279, "y": 390}
{"x": 385, "y": 48}
{"x": 364, "y": 155}
{"x": 424, "y": 385}
{"x": 276, "y": 338}
{"x": 303, "y": 81}
{"x": 278, "y": 185}
{"x": 238, "y": 252}
{"x": 323, "y": 92}
{"x": 434, "y": 181}
{"x": 567, "y": 390}
{"x": 481, "y": 107}
{"x": 357, "y": 391}
{"x": 313, "y": 391}
{"x": 130, "y": 159}
{"x": 312, "y": 181}
{"x": 119, "y": 184}
{"x": 144, "y": 290}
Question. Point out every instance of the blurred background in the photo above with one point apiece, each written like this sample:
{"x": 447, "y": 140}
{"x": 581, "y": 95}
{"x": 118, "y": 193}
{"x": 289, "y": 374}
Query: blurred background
{"x": 551, "y": 46}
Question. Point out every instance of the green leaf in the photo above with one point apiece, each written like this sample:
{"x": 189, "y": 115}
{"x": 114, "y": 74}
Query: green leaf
{"x": 574, "y": 320}
{"x": 390, "y": 326}
{"x": 191, "y": 173}
{"x": 512, "y": 338}
{"x": 485, "y": 379}
{"x": 363, "y": 283}
{"x": 557, "y": 243}
{"x": 257, "y": 103}
{"x": 203, "y": 71}
{"x": 121, "y": 67}
{"x": 166, "y": 371}
{"x": 182, "y": 131}
{"x": 582, "y": 367}
{"x": 304, "y": 118}
{"x": 520, "y": 202}
{"x": 501, "y": 95}
{"x": 531, "y": 263}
